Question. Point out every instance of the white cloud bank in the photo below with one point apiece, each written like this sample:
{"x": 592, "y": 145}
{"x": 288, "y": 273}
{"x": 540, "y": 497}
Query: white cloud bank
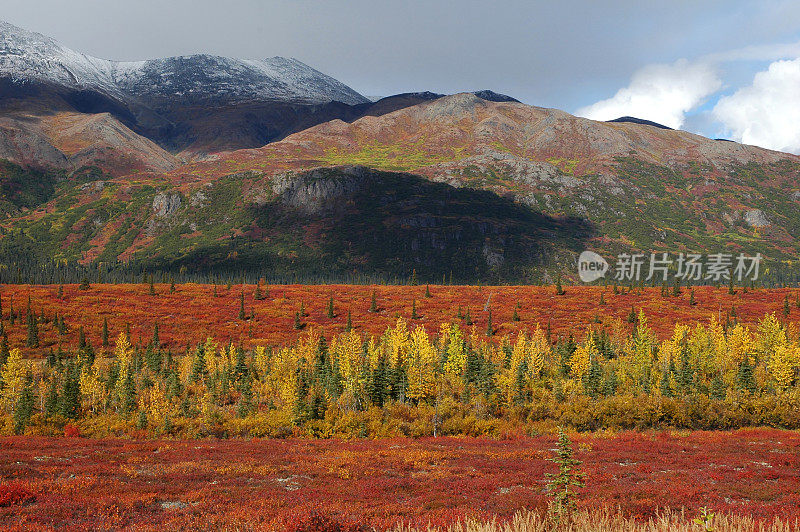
{"x": 663, "y": 93}
{"x": 766, "y": 113}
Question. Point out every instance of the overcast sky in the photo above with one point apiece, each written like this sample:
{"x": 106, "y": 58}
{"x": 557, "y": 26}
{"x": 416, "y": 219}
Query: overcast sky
{"x": 721, "y": 68}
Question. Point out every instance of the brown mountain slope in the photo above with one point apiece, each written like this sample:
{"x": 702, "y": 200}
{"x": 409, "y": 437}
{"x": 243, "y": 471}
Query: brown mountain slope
{"x": 646, "y": 187}
{"x": 492, "y": 190}
{"x": 69, "y": 141}
{"x": 460, "y": 126}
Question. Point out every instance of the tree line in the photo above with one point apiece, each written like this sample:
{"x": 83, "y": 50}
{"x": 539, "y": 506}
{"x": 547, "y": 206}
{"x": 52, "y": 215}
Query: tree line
{"x": 406, "y": 381}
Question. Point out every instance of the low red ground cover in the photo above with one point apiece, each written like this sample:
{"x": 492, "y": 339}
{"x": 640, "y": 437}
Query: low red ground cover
{"x": 163, "y": 484}
{"x": 15, "y": 494}
{"x": 192, "y": 313}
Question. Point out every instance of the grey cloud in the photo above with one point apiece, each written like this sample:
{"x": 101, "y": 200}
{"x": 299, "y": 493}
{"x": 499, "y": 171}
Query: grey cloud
{"x": 567, "y": 54}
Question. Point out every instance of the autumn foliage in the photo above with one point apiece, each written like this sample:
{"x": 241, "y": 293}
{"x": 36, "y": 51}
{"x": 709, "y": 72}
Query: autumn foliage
{"x": 15, "y": 494}
{"x": 267, "y": 483}
{"x": 411, "y": 379}
{"x": 465, "y": 389}
{"x": 193, "y": 312}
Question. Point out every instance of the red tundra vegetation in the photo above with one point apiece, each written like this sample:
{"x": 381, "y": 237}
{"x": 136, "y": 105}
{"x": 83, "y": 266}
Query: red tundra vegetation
{"x": 191, "y": 312}
{"x": 294, "y": 483}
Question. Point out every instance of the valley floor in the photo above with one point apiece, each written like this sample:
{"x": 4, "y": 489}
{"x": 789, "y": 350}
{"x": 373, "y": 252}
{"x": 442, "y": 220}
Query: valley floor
{"x": 273, "y": 484}
{"x": 191, "y": 312}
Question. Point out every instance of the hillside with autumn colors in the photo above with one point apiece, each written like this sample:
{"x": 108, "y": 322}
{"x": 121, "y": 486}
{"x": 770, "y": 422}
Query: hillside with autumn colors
{"x": 457, "y": 186}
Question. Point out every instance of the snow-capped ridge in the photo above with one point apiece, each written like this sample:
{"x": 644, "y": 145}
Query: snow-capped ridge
{"x": 30, "y": 56}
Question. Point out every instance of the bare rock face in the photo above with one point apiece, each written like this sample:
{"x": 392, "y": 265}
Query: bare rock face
{"x": 455, "y": 106}
{"x": 523, "y": 171}
{"x": 756, "y": 218}
{"x": 94, "y": 187}
{"x": 166, "y": 204}
{"x": 319, "y": 189}
{"x": 23, "y": 145}
{"x": 198, "y": 199}
{"x": 493, "y": 258}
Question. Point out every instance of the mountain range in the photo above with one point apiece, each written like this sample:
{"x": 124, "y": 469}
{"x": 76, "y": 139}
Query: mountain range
{"x": 224, "y": 165}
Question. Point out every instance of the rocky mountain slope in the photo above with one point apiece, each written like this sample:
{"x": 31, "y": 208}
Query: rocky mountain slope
{"x": 191, "y": 106}
{"x": 644, "y": 186}
{"x": 77, "y": 141}
{"x": 219, "y": 164}
{"x": 490, "y": 190}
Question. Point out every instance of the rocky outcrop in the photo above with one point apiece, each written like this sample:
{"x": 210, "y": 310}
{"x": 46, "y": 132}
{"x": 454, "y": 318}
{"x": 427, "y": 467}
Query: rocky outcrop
{"x": 756, "y": 218}
{"x": 493, "y": 258}
{"x": 522, "y": 171}
{"x": 455, "y": 106}
{"x": 166, "y": 204}
{"x": 319, "y": 189}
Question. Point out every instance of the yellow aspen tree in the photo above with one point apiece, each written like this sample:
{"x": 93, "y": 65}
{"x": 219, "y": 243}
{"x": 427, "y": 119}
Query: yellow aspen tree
{"x": 581, "y": 358}
{"x": 617, "y": 330}
{"x": 211, "y": 353}
{"x": 505, "y": 382}
{"x": 643, "y": 330}
{"x": 348, "y": 350}
{"x": 374, "y": 352}
{"x": 14, "y": 373}
{"x": 444, "y": 334}
{"x": 456, "y": 358}
{"x": 280, "y": 384}
{"x": 226, "y": 357}
{"x": 740, "y": 344}
{"x": 123, "y": 353}
{"x": 770, "y": 334}
{"x": 495, "y": 352}
{"x": 719, "y": 344}
{"x": 422, "y": 366}
{"x": 92, "y": 388}
{"x": 520, "y": 351}
{"x": 680, "y": 334}
{"x": 507, "y": 377}
{"x": 539, "y": 351}
{"x": 398, "y": 343}
{"x": 701, "y": 349}
{"x": 307, "y": 344}
{"x": 155, "y": 403}
{"x": 671, "y": 349}
{"x": 477, "y": 343}
{"x": 185, "y": 369}
{"x": 641, "y": 351}
{"x": 261, "y": 360}
{"x": 668, "y": 350}
{"x": 782, "y": 365}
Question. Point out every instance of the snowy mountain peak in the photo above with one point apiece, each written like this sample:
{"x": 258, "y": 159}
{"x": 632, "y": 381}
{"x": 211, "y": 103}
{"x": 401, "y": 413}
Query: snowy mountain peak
{"x": 29, "y": 56}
